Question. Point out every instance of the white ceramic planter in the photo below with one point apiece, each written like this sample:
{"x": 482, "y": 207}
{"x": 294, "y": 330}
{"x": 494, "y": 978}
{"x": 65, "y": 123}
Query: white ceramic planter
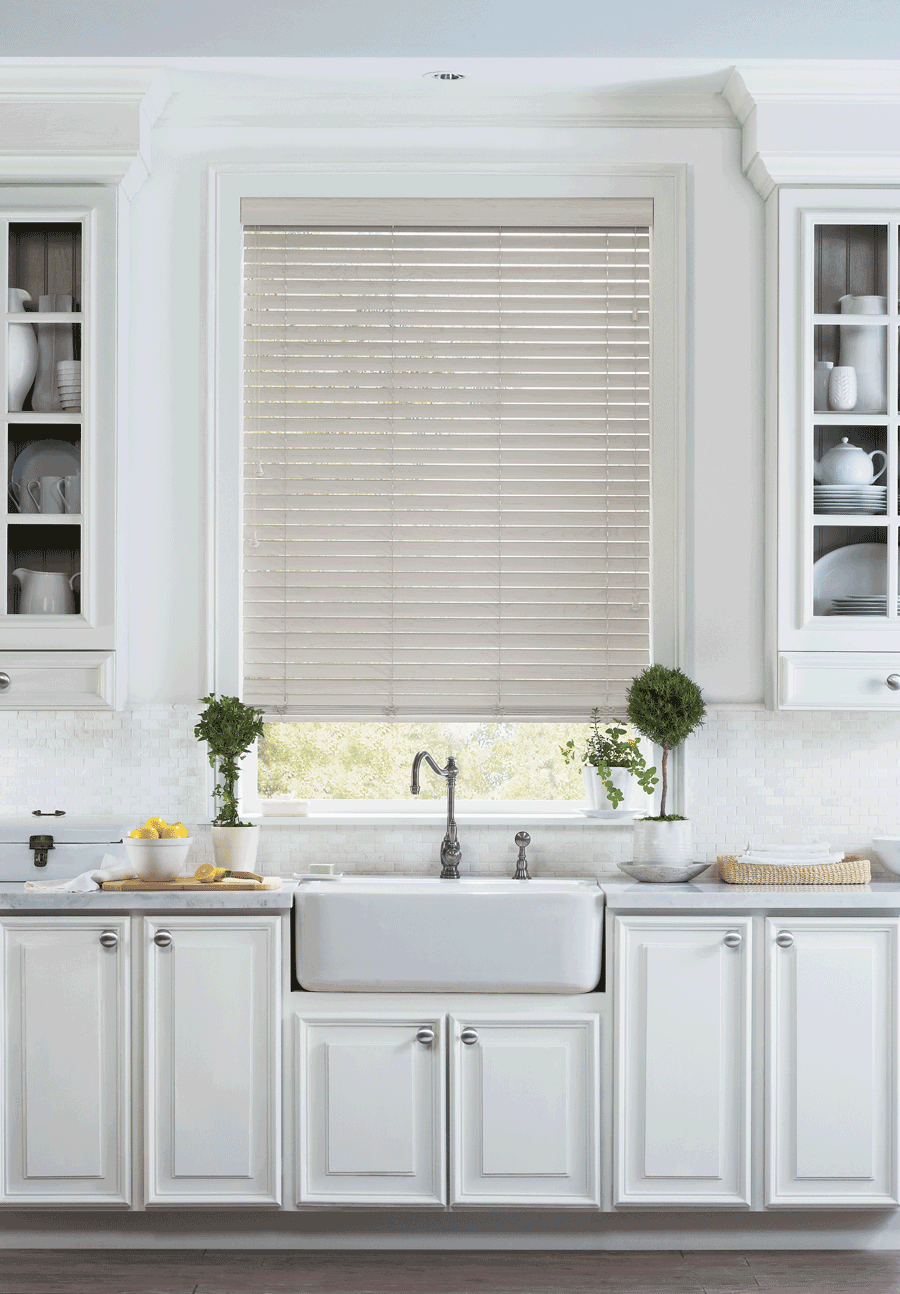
{"x": 595, "y": 792}
{"x": 235, "y": 847}
{"x": 670, "y": 843}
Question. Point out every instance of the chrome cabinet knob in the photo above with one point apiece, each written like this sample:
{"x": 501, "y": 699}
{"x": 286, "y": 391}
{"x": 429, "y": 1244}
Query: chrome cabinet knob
{"x": 5, "y": 680}
{"x": 109, "y": 939}
{"x": 893, "y": 682}
{"x": 784, "y": 939}
{"x": 734, "y": 939}
{"x": 162, "y": 938}
{"x": 469, "y": 1036}
{"x": 425, "y": 1034}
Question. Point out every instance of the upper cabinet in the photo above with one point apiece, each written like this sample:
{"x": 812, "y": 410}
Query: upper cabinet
{"x": 835, "y": 538}
{"x": 62, "y": 379}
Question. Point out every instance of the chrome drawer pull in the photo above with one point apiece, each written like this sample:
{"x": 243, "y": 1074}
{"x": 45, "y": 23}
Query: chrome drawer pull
{"x": 109, "y": 939}
{"x": 784, "y": 939}
{"x": 162, "y": 938}
{"x": 425, "y": 1034}
{"x": 733, "y": 939}
{"x": 469, "y": 1036}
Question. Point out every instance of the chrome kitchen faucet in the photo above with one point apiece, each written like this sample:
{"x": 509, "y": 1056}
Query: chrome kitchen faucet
{"x": 450, "y": 850}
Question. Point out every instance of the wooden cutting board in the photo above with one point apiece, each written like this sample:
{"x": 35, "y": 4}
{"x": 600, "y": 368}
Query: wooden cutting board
{"x": 188, "y": 883}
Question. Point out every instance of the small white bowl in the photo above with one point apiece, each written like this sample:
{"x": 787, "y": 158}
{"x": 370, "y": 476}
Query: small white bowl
{"x": 157, "y": 860}
{"x": 887, "y": 852}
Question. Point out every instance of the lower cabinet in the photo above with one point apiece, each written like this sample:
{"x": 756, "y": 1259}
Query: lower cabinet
{"x": 64, "y": 1013}
{"x": 831, "y": 1077}
{"x": 372, "y": 1098}
{"x": 211, "y": 1054}
{"x": 682, "y": 1066}
{"x": 371, "y": 1106}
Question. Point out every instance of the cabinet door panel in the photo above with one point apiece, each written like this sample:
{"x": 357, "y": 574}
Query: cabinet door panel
{"x": 525, "y": 1111}
{"x": 371, "y": 1110}
{"x": 831, "y": 1080}
{"x": 66, "y": 1061}
{"x": 212, "y": 1061}
{"x": 683, "y": 1061}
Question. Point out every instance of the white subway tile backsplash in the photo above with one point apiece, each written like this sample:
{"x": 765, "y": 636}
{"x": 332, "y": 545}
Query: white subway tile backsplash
{"x": 750, "y": 773}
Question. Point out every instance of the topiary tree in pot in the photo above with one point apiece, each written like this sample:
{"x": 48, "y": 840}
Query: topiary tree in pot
{"x": 665, "y": 706}
{"x": 229, "y": 729}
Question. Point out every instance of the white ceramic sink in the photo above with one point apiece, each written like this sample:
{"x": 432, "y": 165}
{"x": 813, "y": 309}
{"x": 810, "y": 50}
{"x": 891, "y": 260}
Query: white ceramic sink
{"x": 387, "y": 935}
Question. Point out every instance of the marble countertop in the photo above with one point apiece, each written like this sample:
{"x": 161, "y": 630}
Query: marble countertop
{"x": 15, "y": 898}
{"x": 716, "y": 896}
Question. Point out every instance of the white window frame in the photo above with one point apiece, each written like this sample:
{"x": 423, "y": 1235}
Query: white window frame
{"x": 227, "y": 185}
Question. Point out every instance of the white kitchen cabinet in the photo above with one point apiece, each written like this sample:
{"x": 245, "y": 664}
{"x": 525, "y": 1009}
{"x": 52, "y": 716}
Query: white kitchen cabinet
{"x": 834, "y": 619}
{"x": 212, "y": 1060}
{"x": 831, "y": 1074}
{"x": 61, "y": 246}
{"x": 370, "y": 1109}
{"x": 524, "y": 1110}
{"x": 682, "y": 1065}
{"x": 65, "y": 1041}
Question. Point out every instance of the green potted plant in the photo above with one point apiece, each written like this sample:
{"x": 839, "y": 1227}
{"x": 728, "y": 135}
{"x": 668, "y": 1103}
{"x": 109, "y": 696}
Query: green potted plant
{"x": 665, "y": 706}
{"x": 612, "y": 762}
{"x": 229, "y": 729}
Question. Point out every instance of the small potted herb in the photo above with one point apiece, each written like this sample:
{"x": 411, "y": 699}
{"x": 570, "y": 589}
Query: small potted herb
{"x": 229, "y": 729}
{"x": 612, "y": 762}
{"x": 666, "y": 707}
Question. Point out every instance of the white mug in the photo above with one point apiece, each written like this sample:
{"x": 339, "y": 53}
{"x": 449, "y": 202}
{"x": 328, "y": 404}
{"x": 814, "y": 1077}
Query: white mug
{"x": 45, "y": 494}
{"x": 69, "y": 492}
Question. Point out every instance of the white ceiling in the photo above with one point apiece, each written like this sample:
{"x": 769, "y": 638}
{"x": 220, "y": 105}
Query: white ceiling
{"x": 446, "y": 31}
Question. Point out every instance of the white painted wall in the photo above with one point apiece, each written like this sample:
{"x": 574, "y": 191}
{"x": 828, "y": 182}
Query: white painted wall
{"x": 725, "y": 468}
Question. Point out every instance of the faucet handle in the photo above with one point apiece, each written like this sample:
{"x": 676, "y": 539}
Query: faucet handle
{"x": 522, "y": 840}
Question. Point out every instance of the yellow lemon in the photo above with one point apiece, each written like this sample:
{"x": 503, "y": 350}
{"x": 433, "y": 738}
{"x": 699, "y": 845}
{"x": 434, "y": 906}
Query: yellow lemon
{"x": 169, "y": 833}
{"x": 144, "y": 833}
{"x": 209, "y": 872}
{"x": 180, "y": 830}
{"x": 156, "y": 823}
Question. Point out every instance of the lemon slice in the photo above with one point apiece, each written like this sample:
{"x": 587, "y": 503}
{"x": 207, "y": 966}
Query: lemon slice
{"x": 144, "y": 833}
{"x": 205, "y": 872}
{"x": 156, "y": 823}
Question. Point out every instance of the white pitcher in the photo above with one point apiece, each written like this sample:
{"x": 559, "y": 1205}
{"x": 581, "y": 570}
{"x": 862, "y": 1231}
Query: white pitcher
{"x": 864, "y": 347}
{"x": 45, "y": 593}
{"x": 23, "y": 352}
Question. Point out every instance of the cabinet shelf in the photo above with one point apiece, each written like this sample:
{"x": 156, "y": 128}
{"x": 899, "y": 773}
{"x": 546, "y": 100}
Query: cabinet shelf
{"x": 840, "y": 320}
{"x": 43, "y": 519}
{"x": 36, "y": 419}
{"x": 45, "y": 316}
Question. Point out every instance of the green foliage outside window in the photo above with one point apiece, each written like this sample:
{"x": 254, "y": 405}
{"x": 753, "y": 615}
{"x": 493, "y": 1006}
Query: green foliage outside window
{"x": 372, "y": 761}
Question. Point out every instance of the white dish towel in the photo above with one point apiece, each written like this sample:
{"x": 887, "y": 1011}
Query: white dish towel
{"x": 812, "y": 854}
{"x": 111, "y": 869}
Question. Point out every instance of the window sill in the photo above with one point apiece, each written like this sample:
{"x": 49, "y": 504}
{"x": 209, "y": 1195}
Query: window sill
{"x": 368, "y": 819}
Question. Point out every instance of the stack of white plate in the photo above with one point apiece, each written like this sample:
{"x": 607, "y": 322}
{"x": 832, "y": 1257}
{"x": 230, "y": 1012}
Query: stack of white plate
{"x": 68, "y": 377}
{"x": 849, "y": 498}
{"x": 858, "y": 604}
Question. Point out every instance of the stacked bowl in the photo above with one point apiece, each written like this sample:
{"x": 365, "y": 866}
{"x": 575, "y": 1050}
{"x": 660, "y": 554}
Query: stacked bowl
{"x": 68, "y": 377}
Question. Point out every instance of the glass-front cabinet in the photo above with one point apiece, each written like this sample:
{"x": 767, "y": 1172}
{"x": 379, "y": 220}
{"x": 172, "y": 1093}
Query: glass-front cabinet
{"x": 835, "y": 542}
{"x": 58, "y": 621}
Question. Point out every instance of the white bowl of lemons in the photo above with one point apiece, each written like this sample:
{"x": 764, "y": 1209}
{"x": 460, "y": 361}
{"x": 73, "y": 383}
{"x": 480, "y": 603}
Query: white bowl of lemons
{"x": 157, "y": 851}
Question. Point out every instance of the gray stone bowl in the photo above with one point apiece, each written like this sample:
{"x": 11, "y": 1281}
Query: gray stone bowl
{"x": 663, "y": 873}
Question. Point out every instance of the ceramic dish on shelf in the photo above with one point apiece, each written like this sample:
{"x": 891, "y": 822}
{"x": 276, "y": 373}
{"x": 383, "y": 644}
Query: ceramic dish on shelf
{"x": 857, "y": 570}
{"x": 43, "y": 458}
{"x": 663, "y": 873}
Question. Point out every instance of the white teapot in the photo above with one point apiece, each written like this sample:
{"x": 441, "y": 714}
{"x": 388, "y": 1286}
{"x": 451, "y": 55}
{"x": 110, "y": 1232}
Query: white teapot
{"x": 847, "y": 464}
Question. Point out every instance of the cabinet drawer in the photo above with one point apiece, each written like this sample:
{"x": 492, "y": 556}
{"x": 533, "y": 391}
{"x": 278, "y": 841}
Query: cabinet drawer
{"x": 837, "y": 681}
{"x": 58, "y": 680}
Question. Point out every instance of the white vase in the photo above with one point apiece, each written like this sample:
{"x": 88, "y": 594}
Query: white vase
{"x": 864, "y": 348}
{"x": 820, "y": 385}
{"x": 596, "y": 794}
{"x": 663, "y": 842}
{"x": 235, "y": 847}
{"x": 23, "y": 352}
{"x": 842, "y": 389}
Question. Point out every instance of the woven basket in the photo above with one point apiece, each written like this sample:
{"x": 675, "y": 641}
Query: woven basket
{"x": 852, "y": 870}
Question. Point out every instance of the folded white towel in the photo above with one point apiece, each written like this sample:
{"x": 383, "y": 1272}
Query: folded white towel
{"x": 807, "y": 849}
{"x": 791, "y": 860}
{"x": 111, "y": 869}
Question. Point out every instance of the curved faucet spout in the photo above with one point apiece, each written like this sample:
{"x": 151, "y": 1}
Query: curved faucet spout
{"x": 450, "y": 850}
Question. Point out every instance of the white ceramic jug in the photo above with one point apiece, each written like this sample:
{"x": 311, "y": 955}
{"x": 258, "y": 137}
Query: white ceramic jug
{"x": 23, "y": 352}
{"x": 45, "y": 593}
{"x": 864, "y": 347}
{"x": 847, "y": 464}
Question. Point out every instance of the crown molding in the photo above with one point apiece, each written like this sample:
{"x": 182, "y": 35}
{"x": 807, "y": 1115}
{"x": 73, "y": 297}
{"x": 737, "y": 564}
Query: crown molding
{"x": 79, "y": 124}
{"x": 825, "y": 123}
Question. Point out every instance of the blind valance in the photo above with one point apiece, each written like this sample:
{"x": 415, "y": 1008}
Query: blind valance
{"x": 446, "y": 469}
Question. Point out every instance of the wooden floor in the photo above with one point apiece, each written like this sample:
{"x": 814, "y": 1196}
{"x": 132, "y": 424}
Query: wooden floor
{"x": 262, "y": 1272}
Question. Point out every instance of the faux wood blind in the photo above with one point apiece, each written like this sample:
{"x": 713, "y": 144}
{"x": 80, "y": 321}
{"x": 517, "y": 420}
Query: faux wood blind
{"x": 446, "y": 470}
